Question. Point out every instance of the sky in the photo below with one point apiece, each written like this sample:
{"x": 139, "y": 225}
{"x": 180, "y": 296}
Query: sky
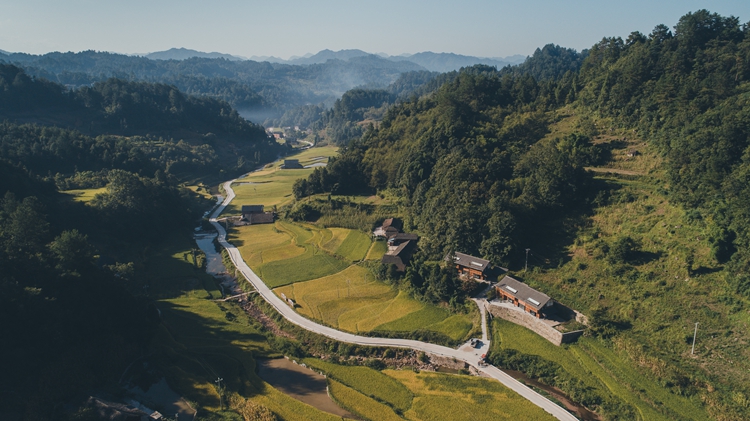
{"x": 284, "y": 28}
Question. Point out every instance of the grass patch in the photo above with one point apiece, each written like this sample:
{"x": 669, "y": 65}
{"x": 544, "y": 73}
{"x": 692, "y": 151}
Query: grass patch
{"x": 463, "y": 398}
{"x": 355, "y": 246}
{"x": 360, "y": 404}
{"x": 377, "y": 250}
{"x": 84, "y": 195}
{"x": 368, "y": 381}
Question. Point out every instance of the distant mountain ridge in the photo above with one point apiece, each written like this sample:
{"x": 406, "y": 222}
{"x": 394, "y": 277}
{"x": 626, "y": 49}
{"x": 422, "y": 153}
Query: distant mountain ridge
{"x": 434, "y": 62}
{"x": 185, "y": 53}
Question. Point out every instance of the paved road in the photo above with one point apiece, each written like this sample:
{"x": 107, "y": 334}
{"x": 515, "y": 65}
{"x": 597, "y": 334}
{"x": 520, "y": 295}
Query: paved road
{"x": 466, "y": 353}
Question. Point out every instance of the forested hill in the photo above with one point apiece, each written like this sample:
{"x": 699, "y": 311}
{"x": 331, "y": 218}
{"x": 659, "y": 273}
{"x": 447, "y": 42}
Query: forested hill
{"x": 494, "y": 162}
{"x": 259, "y": 90}
{"x": 150, "y": 118}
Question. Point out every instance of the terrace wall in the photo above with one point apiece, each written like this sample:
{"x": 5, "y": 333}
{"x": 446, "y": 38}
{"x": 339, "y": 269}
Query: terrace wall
{"x": 537, "y": 326}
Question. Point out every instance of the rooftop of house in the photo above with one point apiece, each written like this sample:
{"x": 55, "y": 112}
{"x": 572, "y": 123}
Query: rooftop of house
{"x": 403, "y": 236}
{"x": 523, "y": 292}
{"x": 393, "y": 222}
{"x": 470, "y": 261}
{"x": 252, "y": 208}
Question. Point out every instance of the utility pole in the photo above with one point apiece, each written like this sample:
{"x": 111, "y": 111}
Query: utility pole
{"x": 692, "y": 351}
{"x": 218, "y": 382}
{"x": 527, "y": 260}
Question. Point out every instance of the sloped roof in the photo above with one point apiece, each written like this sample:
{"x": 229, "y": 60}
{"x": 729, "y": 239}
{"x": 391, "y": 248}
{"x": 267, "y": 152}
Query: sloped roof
{"x": 404, "y": 236}
{"x": 393, "y": 222}
{"x": 523, "y": 292}
{"x": 252, "y": 208}
{"x": 470, "y": 261}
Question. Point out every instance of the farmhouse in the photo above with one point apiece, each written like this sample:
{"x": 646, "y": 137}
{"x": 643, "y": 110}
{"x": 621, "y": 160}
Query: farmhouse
{"x": 470, "y": 266}
{"x": 291, "y": 164}
{"x": 523, "y": 296}
{"x": 400, "y": 256}
{"x": 402, "y": 237}
{"x": 390, "y": 228}
{"x": 254, "y": 214}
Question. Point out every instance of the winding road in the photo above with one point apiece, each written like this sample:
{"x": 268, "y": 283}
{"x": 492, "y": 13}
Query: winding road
{"x": 465, "y": 353}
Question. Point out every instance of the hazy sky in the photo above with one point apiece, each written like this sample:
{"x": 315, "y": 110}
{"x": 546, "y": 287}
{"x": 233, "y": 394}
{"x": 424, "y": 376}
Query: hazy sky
{"x": 284, "y": 28}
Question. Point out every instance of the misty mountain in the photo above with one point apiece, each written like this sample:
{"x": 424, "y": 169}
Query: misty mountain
{"x": 325, "y": 55}
{"x": 4, "y": 52}
{"x": 447, "y": 62}
{"x": 434, "y": 62}
{"x": 258, "y": 90}
{"x": 184, "y": 54}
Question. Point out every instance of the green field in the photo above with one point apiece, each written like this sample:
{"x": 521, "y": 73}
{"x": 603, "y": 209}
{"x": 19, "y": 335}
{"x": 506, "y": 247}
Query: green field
{"x": 84, "y": 195}
{"x": 360, "y": 404}
{"x": 440, "y": 397}
{"x": 368, "y": 381}
{"x": 424, "y": 396}
{"x": 272, "y": 186}
{"x": 354, "y": 301}
{"x": 602, "y": 369}
{"x": 287, "y": 252}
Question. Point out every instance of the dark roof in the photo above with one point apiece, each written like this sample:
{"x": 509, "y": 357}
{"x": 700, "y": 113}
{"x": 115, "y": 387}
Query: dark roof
{"x": 404, "y": 236}
{"x": 292, "y": 163}
{"x": 400, "y": 256}
{"x": 390, "y": 231}
{"x": 394, "y": 260}
{"x": 252, "y": 209}
{"x": 523, "y": 292}
{"x": 393, "y": 222}
{"x": 261, "y": 218}
{"x": 470, "y": 262}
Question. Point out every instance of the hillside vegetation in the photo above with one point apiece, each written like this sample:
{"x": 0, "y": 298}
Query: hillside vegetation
{"x": 626, "y": 178}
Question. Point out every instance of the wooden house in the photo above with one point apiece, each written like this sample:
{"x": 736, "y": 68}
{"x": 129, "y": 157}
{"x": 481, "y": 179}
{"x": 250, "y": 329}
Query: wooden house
{"x": 400, "y": 256}
{"x": 402, "y": 237}
{"x": 523, "y": 296}
{"x": 470, "y": 266}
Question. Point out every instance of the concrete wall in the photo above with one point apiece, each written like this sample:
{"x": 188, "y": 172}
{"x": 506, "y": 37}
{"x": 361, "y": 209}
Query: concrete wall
{"x": 539, "y": 327}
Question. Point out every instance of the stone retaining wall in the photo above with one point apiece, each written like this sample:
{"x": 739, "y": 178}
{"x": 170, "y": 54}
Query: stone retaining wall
{"x": 539, "y": 327}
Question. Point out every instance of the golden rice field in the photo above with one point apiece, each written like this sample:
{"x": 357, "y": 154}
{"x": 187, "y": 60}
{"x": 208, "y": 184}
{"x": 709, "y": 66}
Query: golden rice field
{"x": 352, "y": 300}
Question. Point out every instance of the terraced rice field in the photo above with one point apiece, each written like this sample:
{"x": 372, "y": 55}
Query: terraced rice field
{"x": 352, "y": 300}
{"x": 272, "y": 186}
{"x": 463, "y": 398}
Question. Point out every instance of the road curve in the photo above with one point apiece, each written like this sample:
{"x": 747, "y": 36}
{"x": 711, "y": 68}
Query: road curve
{"x": 470, "y": 356}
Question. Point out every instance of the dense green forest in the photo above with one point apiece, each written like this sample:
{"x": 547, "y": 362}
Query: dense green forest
{"x": 72, "y": 273}
{"x": 481, "y": 165}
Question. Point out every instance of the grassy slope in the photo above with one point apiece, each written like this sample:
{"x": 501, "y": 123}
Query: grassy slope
{"x": 671, "y": 283}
